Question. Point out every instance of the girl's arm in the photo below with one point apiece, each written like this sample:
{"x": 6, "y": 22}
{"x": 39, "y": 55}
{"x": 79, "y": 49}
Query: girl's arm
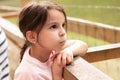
{"x": 77, "y": 47}
{"x": 65, "y": 56}
{"x": 71, "y": 48}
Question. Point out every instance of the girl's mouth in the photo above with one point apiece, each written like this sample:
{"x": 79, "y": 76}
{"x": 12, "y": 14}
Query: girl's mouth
{"x": 62, "y": 42}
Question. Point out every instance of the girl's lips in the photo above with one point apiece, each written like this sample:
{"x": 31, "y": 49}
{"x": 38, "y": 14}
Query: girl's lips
{"x": 62, "y": 42}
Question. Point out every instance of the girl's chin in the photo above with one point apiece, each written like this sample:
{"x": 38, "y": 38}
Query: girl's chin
{"x": 57, "y": 50}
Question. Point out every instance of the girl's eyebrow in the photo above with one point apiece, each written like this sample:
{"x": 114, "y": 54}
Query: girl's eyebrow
{"x": 53, "y": 22}
{"x": 50, "y": 23}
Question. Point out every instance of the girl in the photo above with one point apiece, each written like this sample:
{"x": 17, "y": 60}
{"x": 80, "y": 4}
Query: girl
{"x": 47, "y": 50}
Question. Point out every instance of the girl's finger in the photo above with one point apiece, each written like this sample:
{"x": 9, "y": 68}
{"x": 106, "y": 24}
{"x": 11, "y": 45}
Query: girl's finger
{"x": 59, "y": 59}
{"x": 64, "y": 58}
{"x": 69, "y": 59}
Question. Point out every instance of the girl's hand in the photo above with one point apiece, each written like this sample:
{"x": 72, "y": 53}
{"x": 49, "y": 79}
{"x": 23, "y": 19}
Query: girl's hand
{"x": 56, "y": 70}
{"x": 59, "y": 62}
{"x": 64, "y": 57}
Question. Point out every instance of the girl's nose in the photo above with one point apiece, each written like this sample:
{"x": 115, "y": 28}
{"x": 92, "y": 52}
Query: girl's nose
{"x": 62, "y": 32}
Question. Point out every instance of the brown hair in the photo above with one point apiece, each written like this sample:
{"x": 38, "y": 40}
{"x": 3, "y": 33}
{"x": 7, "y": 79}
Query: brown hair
{"x": 34, "y": 16}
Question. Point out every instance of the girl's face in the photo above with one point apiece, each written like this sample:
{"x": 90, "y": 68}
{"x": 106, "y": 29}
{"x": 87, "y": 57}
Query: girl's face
{"x": 53, "y": 34}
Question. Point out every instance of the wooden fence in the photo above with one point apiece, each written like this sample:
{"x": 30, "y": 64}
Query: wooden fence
{"x": 96, "y": 30}
{"x": 99, "y": 31}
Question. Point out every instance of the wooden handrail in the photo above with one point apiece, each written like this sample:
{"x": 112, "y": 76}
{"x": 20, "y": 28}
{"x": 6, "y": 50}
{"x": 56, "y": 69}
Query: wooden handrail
{"x": 104, "y": 52}
{"x": 10, "y": 14}
{"x": 12, "y": 32}
{"x": 82, "y": 70}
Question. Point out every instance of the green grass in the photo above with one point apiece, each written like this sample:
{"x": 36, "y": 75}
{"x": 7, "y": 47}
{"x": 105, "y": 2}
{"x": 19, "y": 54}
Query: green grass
{"x": 13, "y": 20}
{"x": 106, "y": 15}
{"x": 97, "y": 15}
{"x": 89, "y": 40}
{"x": 91, "y": 2}
{"x": 109, "y": 16}
{"x": 14, "y": 3}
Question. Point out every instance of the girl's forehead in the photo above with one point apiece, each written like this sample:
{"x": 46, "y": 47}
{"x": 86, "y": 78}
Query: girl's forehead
{"x": 55, "y": 15}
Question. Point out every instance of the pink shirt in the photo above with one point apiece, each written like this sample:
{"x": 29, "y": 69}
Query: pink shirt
{"x": 32, "y": 69}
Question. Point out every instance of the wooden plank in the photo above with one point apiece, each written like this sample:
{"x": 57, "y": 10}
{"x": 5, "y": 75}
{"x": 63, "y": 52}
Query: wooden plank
{"x": 69, "y": 25}
{"x": 109, "y": 35}
{"x": 100, "y": 33}
{"x": 68, "y": 75}
{"x": 91, "y": 30}
{"x": 117, "y": 36}
{"x": 82, "y": 70}
{"x": 12, "y": 32}
{"x": 82, "y": 29}
{"x": 10, "y": 14}
{"x": 74, "y": 25}
{"x": 103, "y": 52}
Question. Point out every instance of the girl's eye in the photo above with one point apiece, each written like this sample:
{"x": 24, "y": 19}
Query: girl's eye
{"x": 53, "y": 27}
{"x": 63, "y": 25}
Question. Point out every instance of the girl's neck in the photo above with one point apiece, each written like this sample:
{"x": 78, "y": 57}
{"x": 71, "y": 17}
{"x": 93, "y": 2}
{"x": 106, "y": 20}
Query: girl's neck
{"x": 40, "y": 54}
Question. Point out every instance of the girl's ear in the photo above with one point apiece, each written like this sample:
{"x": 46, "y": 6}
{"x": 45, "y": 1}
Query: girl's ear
{"x": 31, "y": 36}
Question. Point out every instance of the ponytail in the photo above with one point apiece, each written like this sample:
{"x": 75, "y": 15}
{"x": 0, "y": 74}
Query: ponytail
{"x": 23, "y": 50}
